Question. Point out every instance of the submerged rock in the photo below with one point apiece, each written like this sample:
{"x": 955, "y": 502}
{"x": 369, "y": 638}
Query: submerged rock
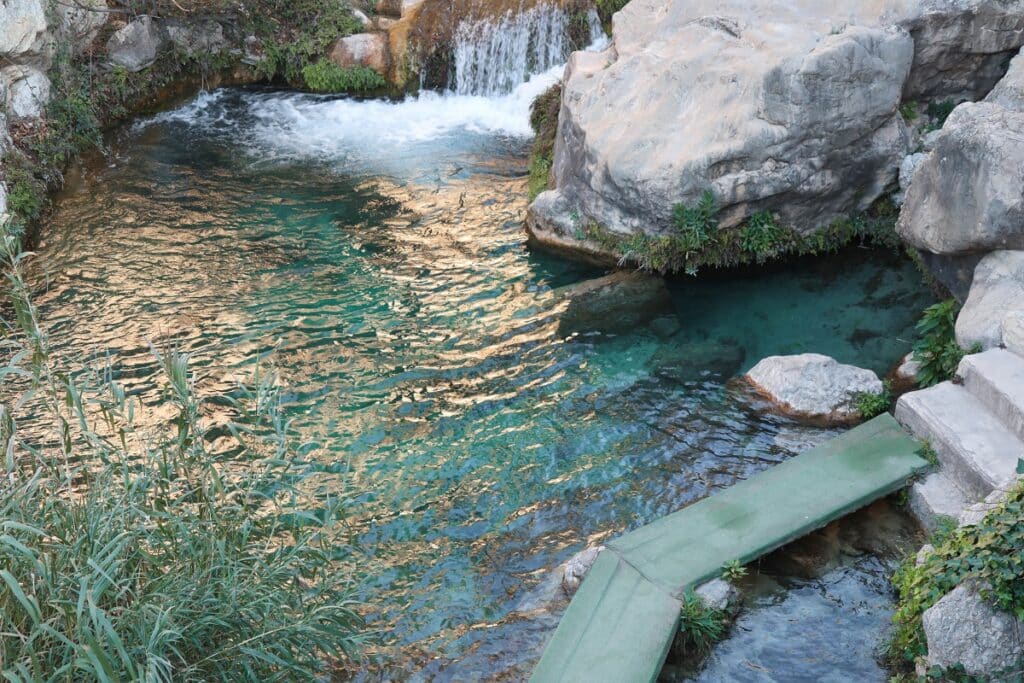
{"x": 619, "y": 302}
{"x": 576, "y": 568}
{"x": 966, "y": 195}
{"x": 136, "y": 45}
{"x": 814, "y": 386}
{"x": 719, "y": 594}
{"x": 789, "y": 107}
{"x": 997, "y": 290}
{"x": 699, "y": 359}
{"x": 962, "y": 628}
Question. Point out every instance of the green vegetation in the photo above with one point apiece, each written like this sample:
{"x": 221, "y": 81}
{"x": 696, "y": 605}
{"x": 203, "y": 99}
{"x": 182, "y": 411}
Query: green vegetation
{"x": 990, "y": 552}
{"x": 939, "y": 112}
{"x": 908, "y": 110}
{"x": 937, "y": 350}
{"x": 870, "y": 405}
{"x": 927, "y": 453}
{"x": 720, "y": 247}
{"x": 700, "y": 626}
{"x": 733, "y": 571}
{"x": 544, "y": 120}
{"x": 201, "y": 548}
{"x": 761, "y": 236}
{"x": 328, "y": 77}
{"x": 696, "y": 225}
{"x": 606, "y": 9}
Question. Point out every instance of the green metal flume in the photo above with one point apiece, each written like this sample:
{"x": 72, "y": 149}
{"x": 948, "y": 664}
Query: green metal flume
{"x": 620, "y": 624}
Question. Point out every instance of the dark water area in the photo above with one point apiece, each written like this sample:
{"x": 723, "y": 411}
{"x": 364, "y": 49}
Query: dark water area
{"x": 379, "y": 265}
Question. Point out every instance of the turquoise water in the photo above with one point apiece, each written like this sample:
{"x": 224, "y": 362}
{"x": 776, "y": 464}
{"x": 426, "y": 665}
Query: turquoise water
{"x": 386, "y": 277}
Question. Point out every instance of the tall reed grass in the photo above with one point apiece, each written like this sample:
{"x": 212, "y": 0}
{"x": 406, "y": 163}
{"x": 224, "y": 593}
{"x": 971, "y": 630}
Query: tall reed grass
{"x": 197, "y": 550}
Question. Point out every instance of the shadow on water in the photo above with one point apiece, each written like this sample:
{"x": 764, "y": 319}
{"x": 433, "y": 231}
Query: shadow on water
{"x": 417, "y": 340}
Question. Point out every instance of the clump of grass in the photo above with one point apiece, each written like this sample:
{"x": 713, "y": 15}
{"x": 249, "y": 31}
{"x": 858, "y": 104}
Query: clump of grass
{"x": 544, "y": 121}
{"x": 327, "y": 77}
{"x": 144, "y": 553}
{"x": 871, "y": 405}
{"x": 733, "y": 571}
{"x": 762, "y": 237}
{"x": 927, "y": 453}
{"x": 696, "y": 224}
{"x": 700, "y": 626}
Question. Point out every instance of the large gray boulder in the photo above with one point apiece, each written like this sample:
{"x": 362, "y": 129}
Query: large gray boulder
{"x": 198, "y": 38}
{"x": 968, "y": 194}
{"x": 136, "y": 45}
{"x": 998, "y": 289}
{"x": 24, "y": 92}
{"x": 784, "y": 106}
{"x": 24, "y": 34}
{"x": 962, "y": 628}
{"x": 814, "y": 386}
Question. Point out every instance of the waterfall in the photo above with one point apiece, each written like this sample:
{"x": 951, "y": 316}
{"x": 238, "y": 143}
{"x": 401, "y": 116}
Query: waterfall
{"x": 493, "y": 57}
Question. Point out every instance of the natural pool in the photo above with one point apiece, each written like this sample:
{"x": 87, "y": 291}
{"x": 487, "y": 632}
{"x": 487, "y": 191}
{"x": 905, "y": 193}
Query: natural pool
{"x": 374, "y": 254}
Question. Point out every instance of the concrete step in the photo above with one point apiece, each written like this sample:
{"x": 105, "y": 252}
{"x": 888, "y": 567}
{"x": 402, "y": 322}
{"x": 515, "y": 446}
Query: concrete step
{"x": 996, "y": 378}
{"x": 977, "y": 452}
{"x": 935, "y": 497}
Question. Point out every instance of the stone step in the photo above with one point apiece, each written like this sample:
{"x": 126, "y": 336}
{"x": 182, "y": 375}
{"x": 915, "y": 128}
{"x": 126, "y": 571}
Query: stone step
{"x": 977, "y": 452}
{"x": 935, "y": 497}
{"x": 996, "y": 378}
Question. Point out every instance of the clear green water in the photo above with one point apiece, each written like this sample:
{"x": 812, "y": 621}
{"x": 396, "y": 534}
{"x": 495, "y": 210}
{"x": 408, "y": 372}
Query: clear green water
{"x": 417, "y": 337}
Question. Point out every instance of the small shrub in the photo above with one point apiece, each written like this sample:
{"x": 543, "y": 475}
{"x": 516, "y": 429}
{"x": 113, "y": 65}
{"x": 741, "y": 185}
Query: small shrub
{"x": 937, "y": 350}
{"x": 870, "y": 405}
{"x": 695, "y": 225}
{"x": 908, "y": 110}
{"x": 701, "y": 626}
{"x": 733, "y": 571}
{"x": 762, "y": 236}
{"x": 927, "y": 453}
{"x": 328, "y": 77}
{"x": 25, "y": 194}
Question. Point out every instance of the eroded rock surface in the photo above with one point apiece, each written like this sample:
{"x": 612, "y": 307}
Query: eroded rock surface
{"x": 962, "y": 628}
{"x": 136, "y": 45}
{"x": 362, "y": 49}
{"x": 998, "y": 289}
{"x": 813, "y": 386}
{"x": 789, "y": 107}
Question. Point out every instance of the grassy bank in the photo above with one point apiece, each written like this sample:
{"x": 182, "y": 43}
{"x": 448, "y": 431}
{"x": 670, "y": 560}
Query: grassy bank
{"x": 182, "y": 541}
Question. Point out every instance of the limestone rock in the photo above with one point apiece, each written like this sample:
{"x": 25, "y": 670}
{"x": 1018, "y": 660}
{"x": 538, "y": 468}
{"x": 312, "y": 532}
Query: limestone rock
{"x": 362, "y": 49}
{"x": 967, "y": 194}
{"x": 718, "y": 594}
{"x": 136, "y": 45}
{"x": 575, "y": 570}
{"x": 619, "y": 302}
{"x": 908, "y": 369}
{"x": 24, "y": 36}
{"x": 813, "y": 386}
{"x": 1013, "y": 332}
{"x": 361, "y": 17}
{"x": 25, "y": 92}
{"x": 922, "y": 554}
{"x": 197, "y": 38}
{"x": 961, "y": 46}
{"x": 976, "y": 512}
{"x": 253, "y": 52}
{"x": 80, "y": 22}
{"x": 998, "y": 289}
{"x": 962, "y": 628}
{"x": 3, "y": 201}
{"x": 907, "y": 169}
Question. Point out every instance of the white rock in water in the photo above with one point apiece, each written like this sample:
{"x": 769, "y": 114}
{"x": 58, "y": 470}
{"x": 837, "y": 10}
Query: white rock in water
{"x": 575, "y": 570}
{"x": 814, "y": 386}
{"x": 997, "y": 290}
{"x": 962, "y": 628}
{"x": 718, "y": 594}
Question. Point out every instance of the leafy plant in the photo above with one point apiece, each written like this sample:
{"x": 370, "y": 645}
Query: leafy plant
{"x": 927, "y": 453}
{"x": 733, "y": 570}
{"x": 327, "y": 77}
{"x": 908, "y": 110}
{"x": 937, "y": 350}
{"x": 762, "y": 236}
{"x": 696, "y": 224}
{"x": 145, "y": 553}
{"x": 989, "y": 552}
{"x": 870, "y": 404}
{"x": 700, "y": 626}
